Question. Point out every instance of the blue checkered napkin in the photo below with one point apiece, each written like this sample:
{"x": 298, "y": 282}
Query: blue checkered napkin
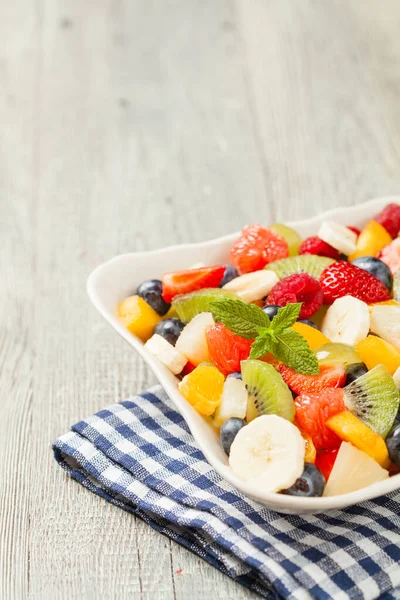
{"x": 141, "y": 456}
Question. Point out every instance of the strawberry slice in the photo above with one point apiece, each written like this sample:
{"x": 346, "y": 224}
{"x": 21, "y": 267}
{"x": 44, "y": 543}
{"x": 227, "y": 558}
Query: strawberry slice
{"x": 183, "y": 282}
{"x": 325, "y": 460}
{"x": 328, "y": 377}
{"x": 344, "y": 279}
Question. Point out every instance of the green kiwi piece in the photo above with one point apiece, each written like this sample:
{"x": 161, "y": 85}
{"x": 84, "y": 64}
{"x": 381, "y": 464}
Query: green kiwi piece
{"x": 374, "y": 399}
{"x": 306, "y": 263}
{"x": 268, "y": 393}
{"x": 189, "y": 305}
{"x": 336, "y": 353}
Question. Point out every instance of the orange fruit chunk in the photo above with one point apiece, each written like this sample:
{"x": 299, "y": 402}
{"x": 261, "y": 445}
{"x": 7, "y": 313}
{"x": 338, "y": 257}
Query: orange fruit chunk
{"x": 313, "y": 337}
{"x": 371, "y": 240}
{"x": 203, "y": 388}
{"x": 350, "y": 429}
{"x": 374, "y": 351}
{"x": 138, "y": 317}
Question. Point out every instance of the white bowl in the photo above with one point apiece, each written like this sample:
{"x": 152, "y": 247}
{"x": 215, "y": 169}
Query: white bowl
{"x": 117, "y": 278}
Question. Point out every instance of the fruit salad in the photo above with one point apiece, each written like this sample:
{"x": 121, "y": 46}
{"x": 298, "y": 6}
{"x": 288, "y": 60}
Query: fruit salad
{"x": 291, "y": 350}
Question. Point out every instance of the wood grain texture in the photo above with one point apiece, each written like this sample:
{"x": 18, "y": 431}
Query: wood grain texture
{"x": 129, "y": 125}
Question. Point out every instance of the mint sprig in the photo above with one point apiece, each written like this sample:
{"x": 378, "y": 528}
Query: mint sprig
{"x": 276, "y": 336}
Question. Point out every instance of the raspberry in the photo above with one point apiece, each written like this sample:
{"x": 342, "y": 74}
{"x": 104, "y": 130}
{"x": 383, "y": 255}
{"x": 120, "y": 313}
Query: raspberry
{"x": 299, "y": 287}
{"x": 389, "y": 218}
{"x": 354, "y": 230}
{"x": 344, "y": 279}
{"x": 256, "y": 247}
{"x": 314, "y": 245}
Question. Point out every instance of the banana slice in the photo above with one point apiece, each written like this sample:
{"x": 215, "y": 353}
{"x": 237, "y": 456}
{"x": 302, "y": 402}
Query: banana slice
{"x": 338, "y": 236}
{"x": 268, "y": 454}
{"x": 233, "y": 401}
{"x": 385, "y": 322}
{"x": 166, "y": 353}
{"x": 346, "y": 321}
{"x": 192, "y": 341}
{"x": 252, "y": 286}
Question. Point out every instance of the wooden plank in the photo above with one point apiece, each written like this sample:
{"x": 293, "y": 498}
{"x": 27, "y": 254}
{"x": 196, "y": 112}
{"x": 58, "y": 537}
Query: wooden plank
{"x": 18, "y": 67}
{"x": 138, "y": 125}
{"x": 324, "y": 78}
{"x": 145, "y": 132}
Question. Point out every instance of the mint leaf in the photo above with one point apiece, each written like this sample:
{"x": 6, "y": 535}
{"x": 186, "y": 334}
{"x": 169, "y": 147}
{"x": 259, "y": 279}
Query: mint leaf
{"x": 242, "y": 319}
{"x": 286, "y": 316}
{"x": 292, "y": 349}
{"x": 261, "y": 346}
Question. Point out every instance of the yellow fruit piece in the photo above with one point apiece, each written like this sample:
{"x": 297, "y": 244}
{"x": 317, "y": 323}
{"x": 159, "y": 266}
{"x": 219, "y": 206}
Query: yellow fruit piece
{"x": 386, "y": 303}
{"x": 203, "y": 388}
{"x": 171, "y": 314}
{"x": 350, "y": 429}
{"x": 371, "y": 240}
{"x": 375, "y": 351}
{"x": 314, "y": 337}
{"x": 138, "y": 317}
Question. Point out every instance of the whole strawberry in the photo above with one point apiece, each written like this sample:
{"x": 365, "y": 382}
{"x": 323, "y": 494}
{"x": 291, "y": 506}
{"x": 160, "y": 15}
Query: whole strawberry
{"x": 344, "y": 279}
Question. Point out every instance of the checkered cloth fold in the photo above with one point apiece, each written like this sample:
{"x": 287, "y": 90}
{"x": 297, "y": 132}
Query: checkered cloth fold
{"x": 140, "y": 455}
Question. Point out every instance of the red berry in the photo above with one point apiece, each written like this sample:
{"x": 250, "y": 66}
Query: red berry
{"x": 328, "y": 377}
{"x": 314, "y": 245}
{"x": 312, "y": 412}
{"x": 226, "y": 349}
{"x": 299, "y": 287}
{"x": 344, "y": 279}
{"x": 354, "y": 230}
{"x": 389, "y": 218}
{"x": 325, "y": 460}
{"x": 256, "y": 247}
{"x": 183, "y": 282}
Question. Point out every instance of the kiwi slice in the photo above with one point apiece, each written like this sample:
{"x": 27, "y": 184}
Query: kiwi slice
{"x": 374, "y": 399}
{"x": 306, "y": 263}
{"x": 291, "y": 236}
{"x": 189, "y": 305}
{"x": 268, "y": 393}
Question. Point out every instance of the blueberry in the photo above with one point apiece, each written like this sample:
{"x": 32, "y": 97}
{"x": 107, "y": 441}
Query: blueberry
{"x": 375, "y": 267}
{"x": 271, "y": 310}
{"x": 236, "y": 375}
{"x": 393, "y": 444}
{"x": 229, "y": 431}
{"x": 151, "y": 292}
{"x": 311, "y": 483}
{"x": 307, "y": 322}
{"x": 355, "y": 371}
{"x": 169, "y": 329}
{"x": 230, "y": 273}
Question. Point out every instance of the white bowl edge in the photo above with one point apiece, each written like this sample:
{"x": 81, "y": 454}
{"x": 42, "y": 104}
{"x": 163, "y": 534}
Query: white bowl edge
{"x": 117, "y": 278}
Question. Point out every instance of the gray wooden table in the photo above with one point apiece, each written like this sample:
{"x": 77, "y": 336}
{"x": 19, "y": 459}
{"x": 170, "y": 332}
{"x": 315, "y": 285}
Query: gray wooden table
{"x": 129, "y": 125}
